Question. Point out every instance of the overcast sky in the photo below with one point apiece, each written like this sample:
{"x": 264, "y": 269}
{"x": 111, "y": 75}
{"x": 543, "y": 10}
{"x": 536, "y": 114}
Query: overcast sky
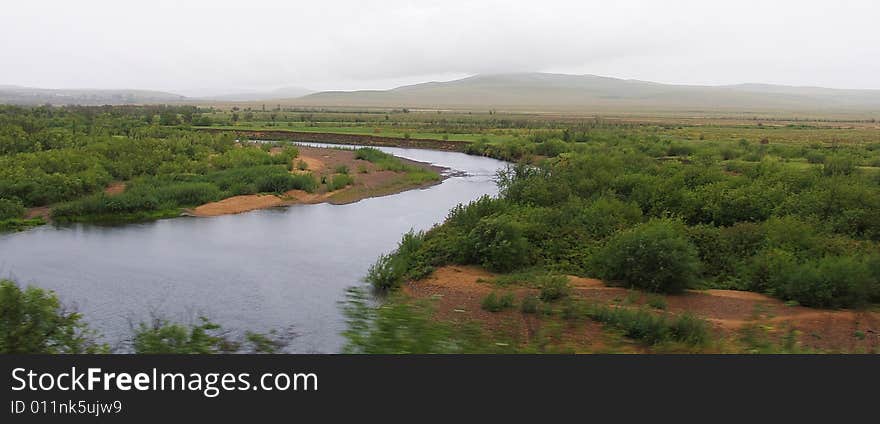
{"x": 213, "y": 46}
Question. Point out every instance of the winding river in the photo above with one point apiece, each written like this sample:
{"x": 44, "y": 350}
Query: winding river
{"x": 284, "y": 268}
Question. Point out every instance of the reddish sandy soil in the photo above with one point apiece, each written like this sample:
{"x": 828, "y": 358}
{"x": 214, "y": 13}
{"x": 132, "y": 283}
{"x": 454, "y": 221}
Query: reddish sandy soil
{"x": 39, "y": 212}
{"x": 459, "y": 290}
{"x": 368, "y": 182}
{"x": 114, "y": 188}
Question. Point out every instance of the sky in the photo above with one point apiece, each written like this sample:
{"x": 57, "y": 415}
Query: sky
{"x": 209, "y": 47}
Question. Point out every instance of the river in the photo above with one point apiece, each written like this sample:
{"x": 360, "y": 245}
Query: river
{"x": 283, "y": 268}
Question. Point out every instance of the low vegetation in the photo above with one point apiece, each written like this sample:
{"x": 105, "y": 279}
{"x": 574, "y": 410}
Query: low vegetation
{"x": 66, "y": 157}
{"x": 386, "y": 162}
{"x": 553, "y": 287}
{"x": 33, "y": 320}
{"x": 402, "y": 327}
{"x": 651, "y": 328}
{"x": 339, "y": 181}
{"x": 655, "y": 256}
{"x": 661, "y": 215}
{"x": 161, "y": 336}
{"x": 494, "y": 302}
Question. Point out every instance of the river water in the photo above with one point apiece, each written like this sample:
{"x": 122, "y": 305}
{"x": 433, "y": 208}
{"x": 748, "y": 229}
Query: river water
{"x": 282, "y": 268}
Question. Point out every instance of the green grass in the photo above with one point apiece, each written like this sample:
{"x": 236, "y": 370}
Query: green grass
{"x": 527, "y": 277}
{"x": 415, "y": 175}
{"x": 530, "y": 305}
{"x": 494, "y": 302}
{"x": 657, "y": 302}
{"x": 553, "y": 287}
{"x": 362, "y": 130}
{"x": 122, "y": 218}
{"x": 339, "y": 181}
{"x": 20, "y": 224}
{"x": 651, "y": 328}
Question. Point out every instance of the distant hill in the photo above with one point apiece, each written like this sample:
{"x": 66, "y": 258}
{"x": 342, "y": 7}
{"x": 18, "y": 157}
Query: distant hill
{"x": 10, "y": 94}
{"x": 246, "y": 96}
{"x": 542, "y": 91}
{"x": 514, "y": 92}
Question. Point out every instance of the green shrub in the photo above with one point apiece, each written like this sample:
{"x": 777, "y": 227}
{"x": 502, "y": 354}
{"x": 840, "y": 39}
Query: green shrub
{"x": 406, "y": 262}
{"x": 246, "y": 157}
{"x": 339, "y": 181}
{"x": 466, "y": 217}
{"x": 11, "y": 208}
{"x": 680, "y": 150}
{"x": 495, "y": 303}
{"x": 832, "y": 281}
{"x": 687, "y": 328}
{"x": 161, "y": 336}
{"x": 188, "y": 194}
{"x": 382, "y": 160}
{"x": 342, "y": 169}
{"x": 637, "y": 324}
{"x": 763, "y": 271}
{"x": 655, "y": 256}
{"x": 279, "y": 183}
{"x": 499, "y": 245}
{"x": 551, "y": 148}
{"x": 657, "y": 302}
{"x": 370, "y": 154}
{"x": 652, "y": 328}
{"x": 815, "y": 157}
{"x": 529, "y": 305}
{"x": 553, "y": 287}
{"x": 729, "y": 153}
{"x": 839, "y": 165}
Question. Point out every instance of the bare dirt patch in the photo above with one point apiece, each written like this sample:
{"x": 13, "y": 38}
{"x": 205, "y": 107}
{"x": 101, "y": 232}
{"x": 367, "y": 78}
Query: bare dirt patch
{"x": 39, "y": 212}
{"x": 459, "y": 290}
{"x": 312, "y": 164}
{"x": 115, "y": 188}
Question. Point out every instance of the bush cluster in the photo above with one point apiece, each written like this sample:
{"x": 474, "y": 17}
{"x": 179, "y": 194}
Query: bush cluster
{"x": 794, "y": 221}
